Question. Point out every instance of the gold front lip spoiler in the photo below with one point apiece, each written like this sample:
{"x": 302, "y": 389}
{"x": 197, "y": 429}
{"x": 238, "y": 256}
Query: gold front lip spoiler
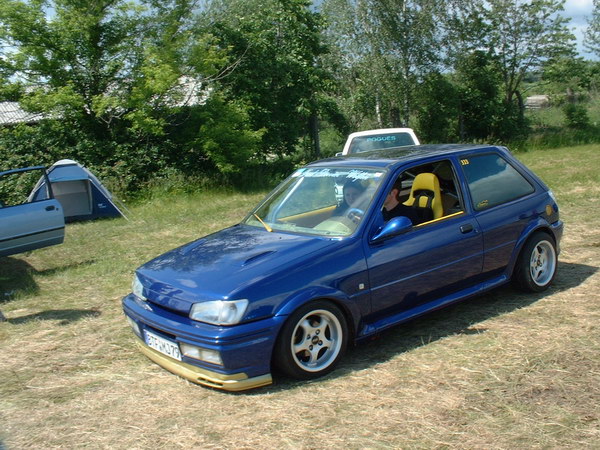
{"x": 235, "y": 382}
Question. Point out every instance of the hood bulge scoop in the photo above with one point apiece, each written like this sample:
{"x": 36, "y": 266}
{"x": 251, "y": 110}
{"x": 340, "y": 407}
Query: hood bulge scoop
{"x": 256, "y": 257}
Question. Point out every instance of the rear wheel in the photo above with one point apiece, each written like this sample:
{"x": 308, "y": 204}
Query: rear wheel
{"x": 537, "y": 263}
{"x": 312, "y": 341}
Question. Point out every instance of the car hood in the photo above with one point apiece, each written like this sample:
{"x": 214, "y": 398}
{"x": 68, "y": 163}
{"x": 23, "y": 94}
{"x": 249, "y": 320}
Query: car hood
{"x": 221, "y": 265}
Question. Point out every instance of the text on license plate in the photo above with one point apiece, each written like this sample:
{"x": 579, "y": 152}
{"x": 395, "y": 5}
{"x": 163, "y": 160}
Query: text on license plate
{"x": 163, "y": 345}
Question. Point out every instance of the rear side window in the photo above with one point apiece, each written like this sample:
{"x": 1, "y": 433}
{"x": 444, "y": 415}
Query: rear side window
{"x": 493, "y": 181}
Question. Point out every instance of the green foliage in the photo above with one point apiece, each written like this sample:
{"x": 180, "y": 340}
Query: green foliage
{"x": 15, "y": 188}
{"x": 468, "y": 106}
{"x": 576, "y": 116}
{"x": 384, "y": 48}
{"x": 332, "y": 141}
{"x": 121, "y": 83}
{"x": 570, "y": 79}
{"x": 275, "y": 46}
{"x": 525, "y": 34}
{"x": 439, "y": 104}
{"x": 226, "y": 136}
{"x": 592, "y": 33}
{"x": 480, "y": 100}
{"x": 236, "y": 90}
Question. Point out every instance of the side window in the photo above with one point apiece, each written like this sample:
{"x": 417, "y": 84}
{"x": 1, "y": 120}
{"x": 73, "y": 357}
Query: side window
{"x": 424, "y": 193}
{"x": 493, "y": 181}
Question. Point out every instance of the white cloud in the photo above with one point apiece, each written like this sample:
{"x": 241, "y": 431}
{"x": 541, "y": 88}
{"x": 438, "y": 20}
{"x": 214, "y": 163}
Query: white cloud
{"x": 579, "y": 11}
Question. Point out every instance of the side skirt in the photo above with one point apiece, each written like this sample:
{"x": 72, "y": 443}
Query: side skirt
{"x": 371, "y": 328}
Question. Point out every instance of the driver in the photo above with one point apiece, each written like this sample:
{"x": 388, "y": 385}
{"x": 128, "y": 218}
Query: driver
{"x": 392, "y": 206}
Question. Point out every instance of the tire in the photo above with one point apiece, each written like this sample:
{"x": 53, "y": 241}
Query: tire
{"x": 537, "y": 264}
{"x": 312, "y": 341}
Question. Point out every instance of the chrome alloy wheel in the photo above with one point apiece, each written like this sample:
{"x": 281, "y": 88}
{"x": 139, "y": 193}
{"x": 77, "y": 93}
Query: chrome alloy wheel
{"x": 316, "y": 340}
{"x": 542, "y": 263}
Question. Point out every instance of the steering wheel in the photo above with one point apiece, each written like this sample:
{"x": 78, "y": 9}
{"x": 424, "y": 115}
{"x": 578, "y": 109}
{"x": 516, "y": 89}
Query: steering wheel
{"x": 355, "y": 214}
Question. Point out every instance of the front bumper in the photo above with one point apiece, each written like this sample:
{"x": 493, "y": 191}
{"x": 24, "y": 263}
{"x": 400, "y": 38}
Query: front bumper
{"x": 245, "y": 349}
{"x": 233, "y": 382}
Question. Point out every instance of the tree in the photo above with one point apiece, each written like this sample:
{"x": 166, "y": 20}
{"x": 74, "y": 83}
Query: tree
{"x": 117, "y": 77}
{"x": 407, "y": 30}
{"x": 525, "y": 34}
{"x": 479, "y": 84}
{"x": 386, "y": 47}
{"x": 438, "y": 110}
{"x": 276, "y": 48}
{"x": 569, "y": 77}
{"x": 102, "y": 61}
{"x": 592, "y": 34}
{"x": 520, "y": 36}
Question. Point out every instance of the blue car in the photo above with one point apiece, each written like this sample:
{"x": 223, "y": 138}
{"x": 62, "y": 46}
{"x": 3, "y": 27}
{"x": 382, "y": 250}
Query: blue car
{"x": 306, "y": 274}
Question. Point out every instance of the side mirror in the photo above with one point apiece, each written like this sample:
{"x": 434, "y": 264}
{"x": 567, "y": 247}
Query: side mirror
{"x": 393, "y": 227}
{"x": 339, "y": 154}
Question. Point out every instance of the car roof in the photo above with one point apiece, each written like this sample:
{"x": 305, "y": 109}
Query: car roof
{"x": 380, "y": 131}
{"x": 397, "y": 156}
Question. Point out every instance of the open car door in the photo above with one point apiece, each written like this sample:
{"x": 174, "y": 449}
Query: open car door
{"x": 27, "y": 225}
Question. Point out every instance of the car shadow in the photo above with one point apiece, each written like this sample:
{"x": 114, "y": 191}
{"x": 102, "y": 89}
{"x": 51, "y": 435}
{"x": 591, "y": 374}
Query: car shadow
{"x": 17, "y": 276}
{"x": 461, "y": 318}
{"x": 64, "y": 316}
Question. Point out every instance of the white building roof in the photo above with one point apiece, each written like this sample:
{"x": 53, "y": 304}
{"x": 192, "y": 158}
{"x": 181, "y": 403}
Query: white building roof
{"x": 11, "y": 113}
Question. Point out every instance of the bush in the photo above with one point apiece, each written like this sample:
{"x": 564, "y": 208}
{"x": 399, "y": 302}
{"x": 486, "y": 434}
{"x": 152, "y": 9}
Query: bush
{"x": 576, "y": 116}
{"x": 213, "y": 141}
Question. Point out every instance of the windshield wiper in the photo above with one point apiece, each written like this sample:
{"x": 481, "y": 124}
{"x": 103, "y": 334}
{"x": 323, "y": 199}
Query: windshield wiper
{"x": 267, "y": 227}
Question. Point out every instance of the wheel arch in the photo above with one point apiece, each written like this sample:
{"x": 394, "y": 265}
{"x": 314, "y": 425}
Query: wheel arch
{"x": 535, "y": 227}
{"x": 349, "y": 309}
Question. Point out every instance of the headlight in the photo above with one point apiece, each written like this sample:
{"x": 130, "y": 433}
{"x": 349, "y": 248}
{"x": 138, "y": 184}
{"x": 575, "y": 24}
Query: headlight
{"x": 137, "y": 288}
{"x": 219, "y": 312}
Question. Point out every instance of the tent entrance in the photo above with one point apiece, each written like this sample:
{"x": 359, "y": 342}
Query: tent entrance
{"x": 74, "y": 196}
{"x": 80, "y": 193}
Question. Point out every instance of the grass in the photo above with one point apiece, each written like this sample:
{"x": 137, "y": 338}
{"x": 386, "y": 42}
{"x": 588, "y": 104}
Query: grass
{"x": 549, "y": 127}
{"x": 505, "y": 370}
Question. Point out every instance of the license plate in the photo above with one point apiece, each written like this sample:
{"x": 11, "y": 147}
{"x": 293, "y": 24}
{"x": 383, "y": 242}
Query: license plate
{"x": 163, "y": 345}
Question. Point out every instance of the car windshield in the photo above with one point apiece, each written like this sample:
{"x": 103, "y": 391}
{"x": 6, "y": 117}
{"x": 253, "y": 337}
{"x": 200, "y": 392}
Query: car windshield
{"x": 380, "y": 141}
{"x": 325, "y": 201}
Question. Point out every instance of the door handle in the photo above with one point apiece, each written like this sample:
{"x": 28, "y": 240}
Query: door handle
{"x": 466, "y": 228}
{"x": 50, "y": 208}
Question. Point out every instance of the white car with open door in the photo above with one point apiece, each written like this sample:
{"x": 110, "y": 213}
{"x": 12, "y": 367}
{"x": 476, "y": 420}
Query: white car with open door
{"x": 27, "y": 225}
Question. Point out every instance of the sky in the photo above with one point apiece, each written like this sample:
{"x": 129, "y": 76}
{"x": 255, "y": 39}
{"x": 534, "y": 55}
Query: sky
{"x": 579, "y": 11}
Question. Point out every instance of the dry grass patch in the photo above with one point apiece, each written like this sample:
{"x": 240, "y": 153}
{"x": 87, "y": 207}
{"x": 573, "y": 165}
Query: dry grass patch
{"x": 505, "y": 370}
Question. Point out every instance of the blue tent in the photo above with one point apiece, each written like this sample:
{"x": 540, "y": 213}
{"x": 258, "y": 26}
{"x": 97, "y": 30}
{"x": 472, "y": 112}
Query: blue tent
{"x": 80, "y": 193}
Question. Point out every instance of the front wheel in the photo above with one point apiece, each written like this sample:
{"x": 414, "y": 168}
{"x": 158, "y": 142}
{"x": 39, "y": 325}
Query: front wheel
{"x": 537, "y": 263}
{"x": 312, "y": 341}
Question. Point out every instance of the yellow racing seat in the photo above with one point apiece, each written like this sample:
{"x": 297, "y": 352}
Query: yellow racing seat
{"x": 425, "y": 197}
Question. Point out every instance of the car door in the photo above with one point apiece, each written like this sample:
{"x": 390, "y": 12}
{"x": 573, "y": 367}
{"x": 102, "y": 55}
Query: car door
{"x": 427, "y": 262}
{"x": 27, "y": 225}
